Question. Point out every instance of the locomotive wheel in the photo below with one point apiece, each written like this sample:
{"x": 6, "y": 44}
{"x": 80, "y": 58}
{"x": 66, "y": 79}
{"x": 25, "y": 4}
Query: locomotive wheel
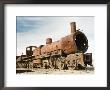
{"x": 30, "y": 65}
{"x": 75, "y": 65}
{"x": 17, "y": 65}
{"x": 78, "y": 66}
{"x": 20, "y": 65}
{"x": 65, "y": 67}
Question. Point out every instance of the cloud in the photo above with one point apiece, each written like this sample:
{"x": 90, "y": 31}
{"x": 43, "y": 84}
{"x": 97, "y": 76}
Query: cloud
{"x": 28, "y": 24}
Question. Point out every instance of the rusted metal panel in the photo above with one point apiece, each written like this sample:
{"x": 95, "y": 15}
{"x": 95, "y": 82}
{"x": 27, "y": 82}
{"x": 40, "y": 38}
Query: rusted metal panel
{"x": 51, "y": 47}
{"x": 36, "y": 51}
{"x": 48, "y": 40}
{"x": 68, "y": 44}
{"x": 38, "y": 61}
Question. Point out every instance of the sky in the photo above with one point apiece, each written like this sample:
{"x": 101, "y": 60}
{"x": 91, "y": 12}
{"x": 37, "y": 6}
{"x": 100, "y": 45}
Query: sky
{"x": 33, "y": 30}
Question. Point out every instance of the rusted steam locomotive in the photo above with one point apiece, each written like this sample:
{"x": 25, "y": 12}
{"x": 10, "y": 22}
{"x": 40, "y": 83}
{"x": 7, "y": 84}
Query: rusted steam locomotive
{"x": 69, "y": 51}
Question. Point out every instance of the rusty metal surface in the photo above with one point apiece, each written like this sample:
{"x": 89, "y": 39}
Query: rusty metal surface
{"x": 48, "y": 40}
{"x": 37, "y": 51}
{"x": 38, "y": 61}
{"x": 51, "y": 47}
{"x": 68, "y": 44}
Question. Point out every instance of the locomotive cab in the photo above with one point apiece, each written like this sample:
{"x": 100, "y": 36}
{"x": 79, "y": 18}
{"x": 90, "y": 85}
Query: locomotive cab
{"x": 29, "y": 50}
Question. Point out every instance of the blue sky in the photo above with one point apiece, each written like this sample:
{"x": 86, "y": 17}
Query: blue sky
{"x": 34, "y": 30}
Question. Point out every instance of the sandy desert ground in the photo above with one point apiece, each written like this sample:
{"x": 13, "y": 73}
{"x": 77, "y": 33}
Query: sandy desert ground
{"x": 54, "y": 71}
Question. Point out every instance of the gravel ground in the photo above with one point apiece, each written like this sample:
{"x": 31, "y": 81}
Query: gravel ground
{"x": 53, "y": 71}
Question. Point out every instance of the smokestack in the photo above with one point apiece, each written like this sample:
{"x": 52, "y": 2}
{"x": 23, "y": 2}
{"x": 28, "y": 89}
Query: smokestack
{"x": 73, "y": 27}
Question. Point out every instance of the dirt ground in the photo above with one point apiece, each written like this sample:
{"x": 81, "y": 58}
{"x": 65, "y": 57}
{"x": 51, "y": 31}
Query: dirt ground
{"x": 53, "y": 71}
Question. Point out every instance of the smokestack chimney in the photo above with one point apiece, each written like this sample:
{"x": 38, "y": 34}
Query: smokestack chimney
{"x": 73, "y": 27}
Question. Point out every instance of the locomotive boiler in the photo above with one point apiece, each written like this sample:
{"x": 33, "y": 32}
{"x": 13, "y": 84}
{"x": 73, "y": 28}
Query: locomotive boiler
{"x": 74, "y": 43}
